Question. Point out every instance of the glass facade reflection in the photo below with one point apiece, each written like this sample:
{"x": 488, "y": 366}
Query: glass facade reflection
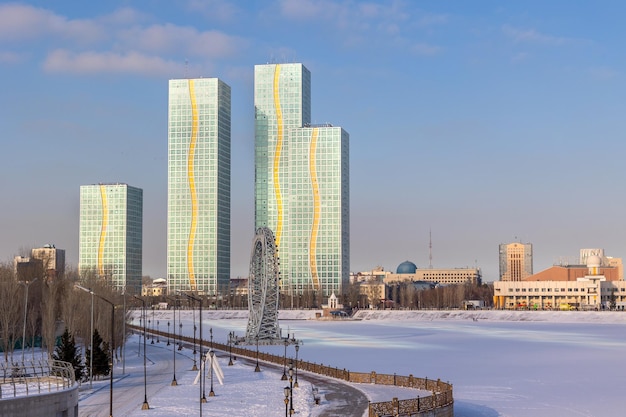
{"x": 110, "y": 241}
{"x": 198, "y": 206}
{"x": 301, "y": 182}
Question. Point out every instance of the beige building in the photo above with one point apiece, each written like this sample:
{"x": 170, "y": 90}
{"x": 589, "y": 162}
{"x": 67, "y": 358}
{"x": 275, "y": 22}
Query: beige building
{"x": 47, "y": 262}
{"x": 453, "y": 276}
{"x": 53, "y": 260}
{"x": 516, "y": 261}
{"x": 373, "y": 292}
{"x": 408, "y": 272}
{"x": 157, "y": 288}
{"x": 591, "y": 287}
{"x": 377, "y": 273}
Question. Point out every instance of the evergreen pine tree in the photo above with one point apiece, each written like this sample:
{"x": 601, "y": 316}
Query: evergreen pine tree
{"x": 68, "y": 352}
{"x": 101, "y": 357}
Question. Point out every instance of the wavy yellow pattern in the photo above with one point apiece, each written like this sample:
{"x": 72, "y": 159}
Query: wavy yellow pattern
{"x": 103, "y": 229}
{"x": 277, "y": 153}
{"x": 192, "y": 185}
{"x": 316, "y": 210}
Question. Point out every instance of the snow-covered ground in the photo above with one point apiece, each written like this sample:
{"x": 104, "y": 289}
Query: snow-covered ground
{"x": 512, "y": 364}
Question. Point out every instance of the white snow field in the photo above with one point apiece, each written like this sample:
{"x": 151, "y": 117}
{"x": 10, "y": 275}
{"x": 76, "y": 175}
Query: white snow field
{"x": 513, "y": 364}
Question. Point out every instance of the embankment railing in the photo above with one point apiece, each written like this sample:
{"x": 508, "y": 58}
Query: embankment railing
{"x": 441, "y": 392}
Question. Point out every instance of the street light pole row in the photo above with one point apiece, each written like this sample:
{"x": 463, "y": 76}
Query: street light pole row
{"x": 112, "y": 342}
{"x": 26, "y": 284}
{"x": 145, "y": 405}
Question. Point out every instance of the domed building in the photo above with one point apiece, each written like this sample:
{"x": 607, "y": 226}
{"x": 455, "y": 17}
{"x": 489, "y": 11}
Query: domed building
{"x": 407, "y": 271}
{"x": 406, "y": 267}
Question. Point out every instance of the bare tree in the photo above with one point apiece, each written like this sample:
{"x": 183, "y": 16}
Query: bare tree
{"x": 11, "y": 305}
{"x": 51, "y": 299}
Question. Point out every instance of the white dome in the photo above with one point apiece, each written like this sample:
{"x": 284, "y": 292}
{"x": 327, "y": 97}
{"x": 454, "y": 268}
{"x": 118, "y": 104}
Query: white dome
{"x": 594, "y": 261}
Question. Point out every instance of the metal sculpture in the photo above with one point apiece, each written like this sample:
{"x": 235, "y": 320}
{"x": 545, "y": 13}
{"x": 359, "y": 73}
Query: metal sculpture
{"x": 263, "y": 289}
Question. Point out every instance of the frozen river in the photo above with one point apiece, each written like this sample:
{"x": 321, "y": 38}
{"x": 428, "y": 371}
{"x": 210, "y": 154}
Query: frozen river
{"x": 540, "y": 365}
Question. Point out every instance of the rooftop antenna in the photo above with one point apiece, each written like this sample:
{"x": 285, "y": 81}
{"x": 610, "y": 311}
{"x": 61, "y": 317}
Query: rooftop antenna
{"x": 430, "y": 249}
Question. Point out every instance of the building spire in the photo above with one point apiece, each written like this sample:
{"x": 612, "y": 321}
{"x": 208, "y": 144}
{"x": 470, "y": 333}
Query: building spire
{"x": 430, "y": 249}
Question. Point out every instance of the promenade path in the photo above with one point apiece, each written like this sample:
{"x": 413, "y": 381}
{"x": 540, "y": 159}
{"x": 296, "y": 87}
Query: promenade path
{"x": 244, "y": 392}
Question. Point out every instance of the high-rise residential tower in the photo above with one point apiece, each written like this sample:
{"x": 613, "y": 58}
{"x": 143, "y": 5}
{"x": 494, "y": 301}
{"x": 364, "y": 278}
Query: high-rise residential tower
{"x": 301, "y": 182}
{"x": 198, "y": 198}
{"x": 111, "y": 233}
{"x": 516, "y": 261}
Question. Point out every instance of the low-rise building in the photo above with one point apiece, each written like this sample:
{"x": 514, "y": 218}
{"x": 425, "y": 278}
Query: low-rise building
{"x": 408, "y": 271}
{"x": 157, "y": 288}
{"x": 566, "y": 288}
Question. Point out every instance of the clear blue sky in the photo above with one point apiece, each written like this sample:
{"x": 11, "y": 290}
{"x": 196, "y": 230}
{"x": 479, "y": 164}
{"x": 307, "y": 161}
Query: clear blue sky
{"x": 485, "y": 121}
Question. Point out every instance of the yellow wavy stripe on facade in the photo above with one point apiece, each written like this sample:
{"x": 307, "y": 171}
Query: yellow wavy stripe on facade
{"x": 277, "y": 152}
{"x": 103, "y": 229}
{"x": 192, "y": 185}
{"x": 316, "y": 210}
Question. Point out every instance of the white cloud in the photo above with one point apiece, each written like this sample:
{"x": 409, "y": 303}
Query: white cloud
{"x": 123, "y": 16}
{"x": 220, "y": 10}
{"x": 19, "y": 22}
{"x": 533, "y": 36}
{"x": 603, "y": 73}
{"x": 425, "y": 49}
{"x": 310, "y": 9}
{"x": 520, "y": 57}
{"x": 430, "y": 19}
{"x": 170, "y": 38}
{"x": 62, "y": 60}
{"x": 9, "y": 57}
{"x": 344, "y": 14}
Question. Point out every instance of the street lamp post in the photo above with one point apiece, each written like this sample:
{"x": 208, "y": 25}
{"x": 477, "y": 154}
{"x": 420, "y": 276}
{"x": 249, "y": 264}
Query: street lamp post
{"x": 145, "y": 405}
{"x": 287, "y": 391}
{"x": 284, "y": 377}
{"x": 112, "y": 342}
{"x": 139, "y": 334}
{"x": 257, "y": 369}
{"x": 212, "y": 393}
{"x": 202, "y": 356}
{"x": 174, "y": 383}
{"x": 168, "y": 332}
{"x": 124, "y": 335}
{"x": 195, "y": 367}
{"x": 158, "y": 332}
{"x": 26, "y": 284}
{"x": 152, "y": 328}
{"x": 291, "y": 410}
{"x": 297, "y": 348}
{"x": 230, "y": 348}
{"x": 180, "y": 332}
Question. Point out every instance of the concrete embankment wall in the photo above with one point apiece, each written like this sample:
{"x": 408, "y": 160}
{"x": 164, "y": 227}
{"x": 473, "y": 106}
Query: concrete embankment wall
{"x": 59, "y": 403}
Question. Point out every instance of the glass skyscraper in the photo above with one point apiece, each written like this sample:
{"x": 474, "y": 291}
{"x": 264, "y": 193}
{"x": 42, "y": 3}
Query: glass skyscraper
{"x": 198, "y": 202}
{"x": 110, "y": 241}
{"x": 301, "y": 182}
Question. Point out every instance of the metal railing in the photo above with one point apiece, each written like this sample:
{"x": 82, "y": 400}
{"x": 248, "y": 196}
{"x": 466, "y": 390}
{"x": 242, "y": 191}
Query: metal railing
{"x": 35, "y": 377}
{"x": 441, "y": 392}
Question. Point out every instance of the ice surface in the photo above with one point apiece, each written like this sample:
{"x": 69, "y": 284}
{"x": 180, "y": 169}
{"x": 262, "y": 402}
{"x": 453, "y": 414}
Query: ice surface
{"x": 512, "y": 364}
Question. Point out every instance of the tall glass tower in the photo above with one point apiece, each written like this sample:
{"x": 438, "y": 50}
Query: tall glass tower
{"x": 301, "y": 182}
{"x": 198, "y": 202}
{"x": 110, "y": 241}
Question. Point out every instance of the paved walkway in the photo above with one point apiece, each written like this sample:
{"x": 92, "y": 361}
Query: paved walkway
{"x": 337, "y": 399}
{"x": 342, "y": 400}
{"x": 346, "y": 401}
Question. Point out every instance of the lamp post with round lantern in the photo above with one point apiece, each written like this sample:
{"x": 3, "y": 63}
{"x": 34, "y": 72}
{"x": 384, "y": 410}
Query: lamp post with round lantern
{"x": 297, "y": 348}
{"x": 287, "y": 391}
